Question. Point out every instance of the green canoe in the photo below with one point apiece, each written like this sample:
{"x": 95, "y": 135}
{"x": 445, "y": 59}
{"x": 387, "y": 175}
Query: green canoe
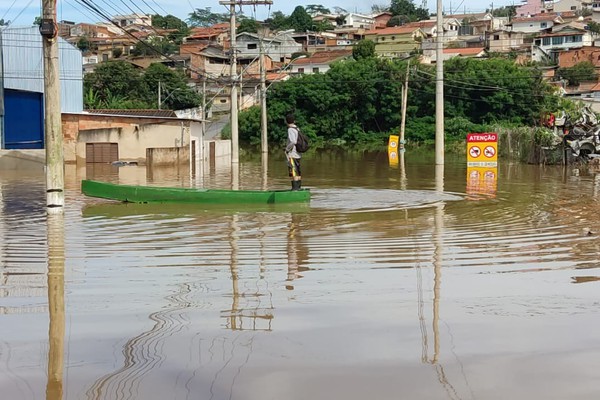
{"x": 155, "y": 194}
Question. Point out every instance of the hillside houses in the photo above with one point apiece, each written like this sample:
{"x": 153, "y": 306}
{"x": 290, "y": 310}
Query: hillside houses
{"x": 541, "y": 31}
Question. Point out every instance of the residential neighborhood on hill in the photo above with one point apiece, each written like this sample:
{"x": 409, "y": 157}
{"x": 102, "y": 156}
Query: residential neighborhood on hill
{"x": 552, "y": 34}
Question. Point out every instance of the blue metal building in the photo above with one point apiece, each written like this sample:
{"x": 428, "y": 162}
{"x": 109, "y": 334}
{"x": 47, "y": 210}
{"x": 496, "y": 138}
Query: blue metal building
{"x": 22, "y": 86}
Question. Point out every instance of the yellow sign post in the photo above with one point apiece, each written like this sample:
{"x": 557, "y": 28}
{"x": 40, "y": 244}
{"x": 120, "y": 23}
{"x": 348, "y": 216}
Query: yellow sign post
{"x": 393, "y": 150}
{"x": 482, "y": 164}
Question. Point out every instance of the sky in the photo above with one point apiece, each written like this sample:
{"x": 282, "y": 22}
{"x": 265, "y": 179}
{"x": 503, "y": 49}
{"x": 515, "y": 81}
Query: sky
{"x": 23, "y": 12}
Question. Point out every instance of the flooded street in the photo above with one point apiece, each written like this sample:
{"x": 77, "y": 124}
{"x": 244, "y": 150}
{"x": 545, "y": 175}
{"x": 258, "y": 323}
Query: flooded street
{"x": 391, "y": 284}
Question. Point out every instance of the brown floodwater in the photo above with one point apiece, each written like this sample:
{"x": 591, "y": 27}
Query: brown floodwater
{"x": 394, "y": 283}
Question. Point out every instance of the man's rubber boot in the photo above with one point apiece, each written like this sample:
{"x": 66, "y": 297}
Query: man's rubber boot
{"x": 295, "y": 185}
{"x": 299, "y": 184}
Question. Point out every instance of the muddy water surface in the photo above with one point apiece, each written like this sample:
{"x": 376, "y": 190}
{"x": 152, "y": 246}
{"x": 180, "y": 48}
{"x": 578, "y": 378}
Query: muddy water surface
{"x": 384, "y": 287}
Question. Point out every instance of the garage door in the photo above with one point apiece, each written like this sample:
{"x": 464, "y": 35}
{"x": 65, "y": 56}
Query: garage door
{"x": 23, "y": 120}
{"x": 101, "y": 153}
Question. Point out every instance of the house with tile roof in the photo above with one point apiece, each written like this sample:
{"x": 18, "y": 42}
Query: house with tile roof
{"x": 536, "y": 23}
{"x": 320, "y": 62}
{"x": 550, "y": 44}
{"x": 396, "y": 41}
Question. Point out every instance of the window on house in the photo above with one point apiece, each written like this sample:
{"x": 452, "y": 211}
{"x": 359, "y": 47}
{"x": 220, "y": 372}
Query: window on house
{"x": 316, "y": 70}
{"x": 496, "y": 37}
{"x": 546, "y": 41}
{"x": 573, "y": 8}
{"x": 104, "y": 57}
{"x": 300, "y": 70}
{"x": 393, "y": 37}
{"x": 557, "y": 40}
{"x": 578, "y": 38}
{"x": 544, "y": 25}
{"x": 222, "y": 101}
{"x": 252, "y": 46}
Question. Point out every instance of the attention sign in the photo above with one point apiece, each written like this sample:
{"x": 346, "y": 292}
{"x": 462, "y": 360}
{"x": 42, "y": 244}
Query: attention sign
{"x": 482, "y": 165}
{"x": 482, "y": 150}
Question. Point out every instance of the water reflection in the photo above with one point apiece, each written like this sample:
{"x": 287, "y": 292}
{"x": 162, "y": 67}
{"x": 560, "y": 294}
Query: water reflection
{"x": 56, "y": 306}
{"x": 173, "y": 302}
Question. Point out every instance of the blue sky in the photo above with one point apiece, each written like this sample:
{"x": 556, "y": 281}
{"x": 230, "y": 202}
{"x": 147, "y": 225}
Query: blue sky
{"x": 23, "y": 12}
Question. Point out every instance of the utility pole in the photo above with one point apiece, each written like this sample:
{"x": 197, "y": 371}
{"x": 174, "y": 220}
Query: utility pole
{"x": 263, "y": 101}
{"x": 404, "y": 105}
{"x": 55, "y": 169}
{"x": 235, "y": 146}
{"x": 439, "y": 88}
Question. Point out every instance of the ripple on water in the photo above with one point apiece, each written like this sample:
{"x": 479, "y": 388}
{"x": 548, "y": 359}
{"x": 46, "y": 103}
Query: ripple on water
{"x": 361, "y": 200}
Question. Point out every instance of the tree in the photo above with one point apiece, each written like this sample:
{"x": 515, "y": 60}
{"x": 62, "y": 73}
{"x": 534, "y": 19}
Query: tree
{"x": 171, "y": 22}
{"x": 248, "y": 25}
{"x": 154, "y": 46}
{"x": 506, "y": 11}
{"x": 379, "y": 8}
{"x": 37, "y": 21}
{"x": 363, "y": 49}
{"x": 580, "y": 72}
{"x": 278, "y": 22}
{"x": 339, "y": 10}
{"x": 204, "y": 17}
{"x": 300, "y": 20}
{"x": 115, "y": 78}
{"x": 322, "y": 26}
{"x": 4, "y": 23}
{"x": 594, "y": 27}
{"x": 314, "y": 9}
{"x": 176, "y": 94}
{"x": 407, "y": 9}
{"x": 84, "y": 44}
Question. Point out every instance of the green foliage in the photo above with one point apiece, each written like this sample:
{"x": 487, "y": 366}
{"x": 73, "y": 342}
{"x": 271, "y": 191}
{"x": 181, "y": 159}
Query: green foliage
{"x": 359, "y": 101}
{"x": 580, "y": 72}
{"x": 204, "y": 17}
{"x": 118, "y": 52}
{"x": 594, "y": 27}
{"x": 154, "y": 46}
{"x": 379, "y": 8}
{"x": 363, "y": 49}
{"x": 322, "y": 26}
{"x": 4, "y": 23}
{"x": 408, "y": 9}
{"x": 248, "y": 25}
{"x": 504, "y": 12}
{"x": 176, "y": 95}
{"x": 314, "y": 9}
{"x": 172, "y": 22}
{"x": 84, "y": 44}
{"x": 119, "y": 84}
{"x": 278, "y": 22}
{"x": 299, "y": 20}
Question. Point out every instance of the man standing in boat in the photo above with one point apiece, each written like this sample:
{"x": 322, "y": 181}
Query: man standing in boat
{"x": 292, "y": 155}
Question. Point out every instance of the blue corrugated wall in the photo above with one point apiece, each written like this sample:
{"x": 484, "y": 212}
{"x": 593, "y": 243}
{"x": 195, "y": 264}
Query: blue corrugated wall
{"x": 23, "y": 120}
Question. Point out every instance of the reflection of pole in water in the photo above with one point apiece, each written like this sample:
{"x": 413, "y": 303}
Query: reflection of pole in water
{"x": 265, "y": 169}
{"x": 56, "y": 306}
{"x": 237, "y": 315}
{"x": 403, "y": 179}
{"x": 234, "y": 272}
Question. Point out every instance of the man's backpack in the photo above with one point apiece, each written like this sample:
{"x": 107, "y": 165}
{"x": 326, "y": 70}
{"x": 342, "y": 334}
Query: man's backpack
{"x": 302, "y": 142}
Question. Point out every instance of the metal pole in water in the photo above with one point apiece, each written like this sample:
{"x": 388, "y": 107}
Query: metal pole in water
{"x": 55, "y": 174}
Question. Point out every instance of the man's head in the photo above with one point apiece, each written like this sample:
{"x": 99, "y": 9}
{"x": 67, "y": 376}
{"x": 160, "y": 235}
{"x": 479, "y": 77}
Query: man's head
{"x": 290, "y": 119}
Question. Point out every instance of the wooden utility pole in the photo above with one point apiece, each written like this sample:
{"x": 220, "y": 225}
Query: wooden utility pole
{"x": 55, "y": 173}
{"x": 439, "y": 87}
{"x": 235, "y": 146}
{"x": 404, "y": 105}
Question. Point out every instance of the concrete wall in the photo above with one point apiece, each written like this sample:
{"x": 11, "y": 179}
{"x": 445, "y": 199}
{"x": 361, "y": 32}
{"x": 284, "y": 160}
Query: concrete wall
{"x": 167, "y": 156}
{"x": 133, "y": 134}
{"x": 29, "y": 160}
